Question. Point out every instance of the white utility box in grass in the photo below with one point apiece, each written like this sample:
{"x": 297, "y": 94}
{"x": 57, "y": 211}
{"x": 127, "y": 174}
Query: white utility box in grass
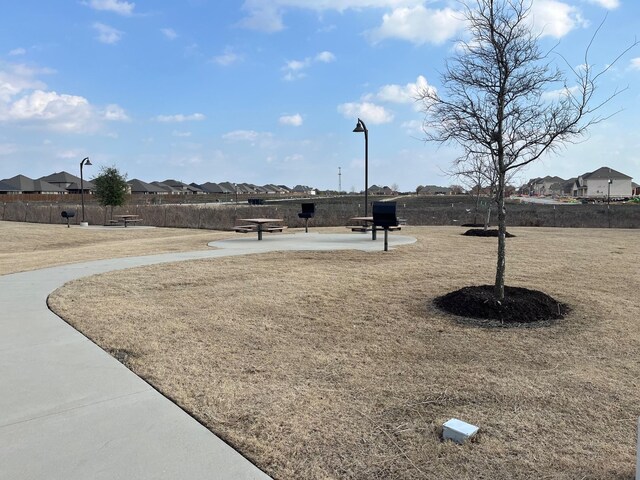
{"x": 458, "y": 431}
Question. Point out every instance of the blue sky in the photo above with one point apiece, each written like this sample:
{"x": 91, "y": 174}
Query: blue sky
{"x": 269, "y": 91}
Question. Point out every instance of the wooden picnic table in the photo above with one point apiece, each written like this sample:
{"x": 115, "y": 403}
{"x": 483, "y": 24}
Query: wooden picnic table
{"x": 127, "y": 218}
{"x": 365, "y": 226}
{"x": 261, "y": 223}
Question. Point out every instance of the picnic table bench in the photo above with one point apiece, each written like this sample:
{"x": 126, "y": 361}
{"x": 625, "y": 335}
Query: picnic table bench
{"x": 260, "y": 225}
{"x": 383, "y": 218}
{"x": 244, "y": 228}
{"x": 124, "y": 220}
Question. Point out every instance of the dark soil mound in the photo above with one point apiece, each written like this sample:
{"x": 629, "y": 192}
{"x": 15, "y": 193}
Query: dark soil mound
{"x": 520, "y": 305}
{"x": 481, "y": 232}
{"x": 472, "y": 225}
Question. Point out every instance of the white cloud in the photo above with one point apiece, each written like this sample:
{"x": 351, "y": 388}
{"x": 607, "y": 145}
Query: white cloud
{"x": 406, "y": 94}
{"x": 266, "y": 15}
{"x": 17, "y": 51}
{"x": 635, "y": 65}
{"x": 325, "y": 57}
{"x": 555, "y": 19}
{"x": 228, "y": 57}
{"x": 412, "y": 127}
{"x": 169, "y": 33}
{"x": 66, "y": 154}
{"x": 115, "y": 113}
{"x": 559, "y": 94}
{"x": 107, "y": 34}
{"x": 263, "y": 140}
{"x": 176, "y": 133}
{"x": 59, "y": 112}
{"x": 291, "y": 120}
{"x": 608, "y": 4}
{"x": 294, "y": 69}
{"x": 369, "y": 112}
{"x": 419, "y": 25}
{"x": 16, "y": 79}
{"x": 116, "y": 6}
{"x": 179, "y": 118}
{"x": 262, "y": 16}
{"x": 245, "y": 136}
{"x": 294, "y": 158}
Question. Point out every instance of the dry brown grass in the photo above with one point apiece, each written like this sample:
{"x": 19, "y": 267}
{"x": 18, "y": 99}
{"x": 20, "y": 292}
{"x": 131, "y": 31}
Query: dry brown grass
{"x": 27, "y": 246}
{"x": 336, "y": 365}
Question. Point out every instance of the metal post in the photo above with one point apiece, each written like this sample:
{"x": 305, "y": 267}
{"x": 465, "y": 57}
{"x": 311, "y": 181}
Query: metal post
{"x": 366, "y": 171}
{"x": 361, "y": 127}
{"x": 386, "y": 239}
{"x": 85, "y": 161}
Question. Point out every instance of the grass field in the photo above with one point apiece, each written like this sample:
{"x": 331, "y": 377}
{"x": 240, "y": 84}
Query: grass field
{"x": 27, "y": 246}
{"x": 336, "y": 364}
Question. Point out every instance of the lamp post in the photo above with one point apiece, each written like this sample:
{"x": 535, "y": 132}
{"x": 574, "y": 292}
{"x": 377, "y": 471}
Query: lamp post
{"x": 609, "y": 182}
{"x": 85, "y": 161}
{"x": 361, "y": 127}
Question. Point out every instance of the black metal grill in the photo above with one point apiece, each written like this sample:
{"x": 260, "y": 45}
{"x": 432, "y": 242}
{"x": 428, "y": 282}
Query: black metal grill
{"x": 384, "y": 214}
{"x": 68, "y": 214}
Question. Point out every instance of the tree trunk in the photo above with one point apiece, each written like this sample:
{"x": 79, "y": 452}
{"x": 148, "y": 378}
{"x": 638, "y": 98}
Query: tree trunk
{"x": 475, "y": 212}
{"x": 502, "y": 244}
{"x": 487, "y": 219}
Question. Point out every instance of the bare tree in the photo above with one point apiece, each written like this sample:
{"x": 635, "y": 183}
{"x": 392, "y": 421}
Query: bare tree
{"x": 493, "y": 103}
{"x": 478, "y": 173}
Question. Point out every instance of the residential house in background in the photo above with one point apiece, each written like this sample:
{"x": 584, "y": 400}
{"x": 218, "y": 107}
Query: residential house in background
{"x": 183, "y": 188}
{"x": 602, "y": 183}
{"x": 138, "y": 187}
{"x": 546, "y": 186}
{"x": 433, "y": 190}
{"x": 5, "y": 188}
{"x": 169, "y": 190}
{"x": 209, "y": 187}
{"x": 304, "y": 189}
{"x": 22, "y": 184}
{"x": 376, "y": 190}
{"x": 68, "y": 182}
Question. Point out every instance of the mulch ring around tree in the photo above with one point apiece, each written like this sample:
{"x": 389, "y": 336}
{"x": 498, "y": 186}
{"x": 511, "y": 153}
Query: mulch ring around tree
{"x": 521, "y": 306}
{"x": 481, "y": 232}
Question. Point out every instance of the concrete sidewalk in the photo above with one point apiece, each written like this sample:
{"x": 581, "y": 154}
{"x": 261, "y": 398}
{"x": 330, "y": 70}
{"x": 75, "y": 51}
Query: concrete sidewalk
{"x": 68, "y": 410}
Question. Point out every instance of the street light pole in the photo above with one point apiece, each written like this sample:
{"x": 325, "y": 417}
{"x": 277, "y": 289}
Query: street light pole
{"x": 609, "y": 192}
{"x": 361, "y": 127}
{"x": 85, "y": 161}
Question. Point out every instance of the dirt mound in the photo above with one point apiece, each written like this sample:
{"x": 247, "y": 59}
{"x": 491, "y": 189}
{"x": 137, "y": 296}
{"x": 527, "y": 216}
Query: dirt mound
{"x": 481, "y": 232}
{"x": 520, "y": 305}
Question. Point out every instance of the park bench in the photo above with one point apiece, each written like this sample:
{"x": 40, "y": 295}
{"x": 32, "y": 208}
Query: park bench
{"x": 244, "y": 228}
{"x": 275, "y": 228}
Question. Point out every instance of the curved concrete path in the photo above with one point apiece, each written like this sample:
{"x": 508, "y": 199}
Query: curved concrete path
{"x": 68, "y": 410}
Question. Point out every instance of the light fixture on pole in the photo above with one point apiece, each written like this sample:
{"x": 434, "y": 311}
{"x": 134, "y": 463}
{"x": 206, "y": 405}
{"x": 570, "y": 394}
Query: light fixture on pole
{"x": 361, "y": 127}
{"x": 609, "y": 192}
{"x": 85, "y": 161}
